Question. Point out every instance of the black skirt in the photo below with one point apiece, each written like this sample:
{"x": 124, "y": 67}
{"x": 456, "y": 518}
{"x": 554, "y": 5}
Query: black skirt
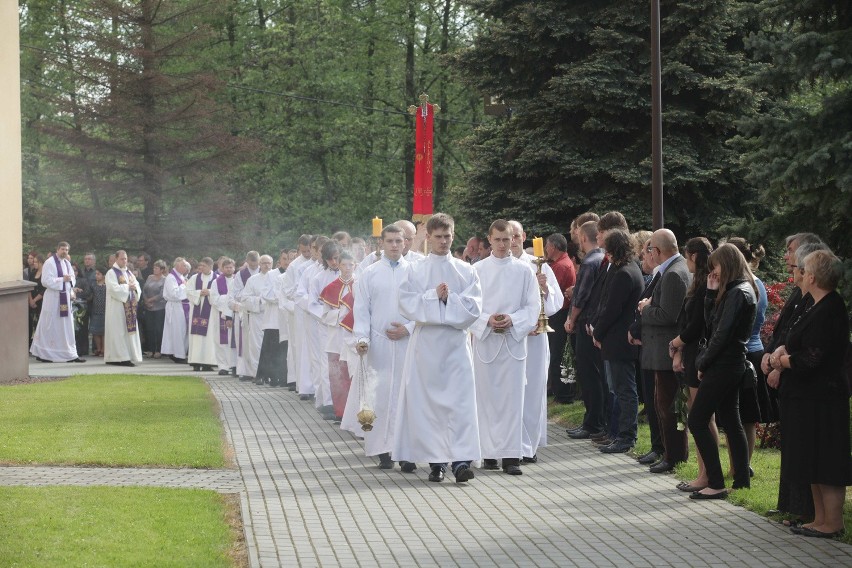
{"x": 815, "y": 445}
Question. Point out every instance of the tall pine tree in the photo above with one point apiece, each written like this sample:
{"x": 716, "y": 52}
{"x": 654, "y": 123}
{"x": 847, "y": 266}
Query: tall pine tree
{"x": 576, "y": 76}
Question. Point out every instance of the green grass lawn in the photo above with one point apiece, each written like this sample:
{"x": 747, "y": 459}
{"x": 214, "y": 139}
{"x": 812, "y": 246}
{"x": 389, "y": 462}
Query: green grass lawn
{"x": 760, "y": 498}
{"x": 112, "y": 420}
{"x": 115, "y": 526}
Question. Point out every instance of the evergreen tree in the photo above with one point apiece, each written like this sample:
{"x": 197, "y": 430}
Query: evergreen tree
{"x": 576, "y": 76}
{"x": 799, "y": 147}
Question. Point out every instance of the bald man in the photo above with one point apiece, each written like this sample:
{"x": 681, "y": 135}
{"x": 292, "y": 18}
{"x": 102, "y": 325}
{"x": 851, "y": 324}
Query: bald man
{"x": 408, "y": 233}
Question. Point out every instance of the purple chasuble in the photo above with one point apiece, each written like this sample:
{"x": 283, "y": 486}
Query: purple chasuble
{"x": 131, "y": 303}
{"x": 201, "y": 312}
{"x": 63, "y": 295}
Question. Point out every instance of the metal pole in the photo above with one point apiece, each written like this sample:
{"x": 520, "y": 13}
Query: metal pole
{"x": 656, "y": 121}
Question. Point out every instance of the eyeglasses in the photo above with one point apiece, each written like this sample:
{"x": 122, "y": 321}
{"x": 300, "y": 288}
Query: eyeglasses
{"x": 802, "y": 270}
{"x": 651, "y": 249}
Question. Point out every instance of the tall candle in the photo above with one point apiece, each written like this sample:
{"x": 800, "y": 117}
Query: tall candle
{"x": 538, "y": 247}
{"x": 377, "y": 227}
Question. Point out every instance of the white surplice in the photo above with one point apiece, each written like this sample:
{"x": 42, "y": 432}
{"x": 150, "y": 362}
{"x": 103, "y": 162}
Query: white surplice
{"x": 255, "y": 314}
{"x": 376, "y": 307}
{"x": 304, "y": 324}
{"x": 175, "y": 332}
{"x": 119, "y": 344}
{"x": 538, "y": 360}
{"x": 53, "y": 339}
{"x": 499, "y": 359}
{"x": 289, "y": 285}
{"x": 318, "y": 336}
{"x": 226, "y": 356}
{"x": 241, "y": 330}
{"x": 436, "y": 420}
{"x": 412, "y": 257}
{"x": 202, "y": 348}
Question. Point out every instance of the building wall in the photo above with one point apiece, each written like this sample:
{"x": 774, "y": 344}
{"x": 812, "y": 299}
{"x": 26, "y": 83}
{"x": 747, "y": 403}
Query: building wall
{"x": 14, "y": 359}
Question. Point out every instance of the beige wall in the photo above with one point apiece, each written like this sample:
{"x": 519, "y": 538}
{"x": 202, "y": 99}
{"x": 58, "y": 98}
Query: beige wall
{"x": 10, "y": 144}
{"x": 14, "y": 359}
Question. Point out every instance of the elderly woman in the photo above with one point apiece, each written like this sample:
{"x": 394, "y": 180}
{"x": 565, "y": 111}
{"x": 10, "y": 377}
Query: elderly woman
{"x": 729, "y": 309}
{"x": 815, "y": 397}
{"x": 155, "y": 307}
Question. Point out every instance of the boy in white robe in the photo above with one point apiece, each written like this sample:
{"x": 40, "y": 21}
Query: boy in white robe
{"x": 510, "y": 306}
{"x": 381, "y": 334}
{"x": 338, "y": 298}
{"x": 223, "y": 318}
{"x": 289, "y": 283}
{"x": 538, "y": 353}
{"x": 252, "y": 306}
{"x": 437, "y": 415}
{"x": 203, "y": 328}
{"x": 318, "y": 331}
{"x": 301, "y": 299}
{"x": 121, "y": 330}
{"x": 241, "y": 332}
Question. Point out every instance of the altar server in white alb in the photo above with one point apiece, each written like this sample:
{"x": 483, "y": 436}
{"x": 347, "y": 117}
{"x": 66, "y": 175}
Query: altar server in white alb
{"x": 437, "y": 415}
{"x": 121, "y": 332}
{"x": 538, "y": 352}
{"x": 249, "y": 269}
{"x": 53, "y": 341}
{"x": 176, "y": 327}
{"x": 203, "y": 328}
{"x": 330, "y": 255}
{"x": 289, "y": 283}
{"x": 305, "y": 322}
{"x": 252, "y": 306}
{"x": 510, "y": 306}
{"x": 222, "y": 318}
{"x": 381, "y": 335}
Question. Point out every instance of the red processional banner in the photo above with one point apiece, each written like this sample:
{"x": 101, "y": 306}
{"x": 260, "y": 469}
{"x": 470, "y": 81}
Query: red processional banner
{"x": 424, "y": 117}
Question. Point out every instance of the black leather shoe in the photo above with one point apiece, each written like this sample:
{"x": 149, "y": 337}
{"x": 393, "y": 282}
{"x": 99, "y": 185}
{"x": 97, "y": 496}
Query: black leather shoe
{"x": 304, "y": 397}
{"x": 490, "y": 464}
{"x": 533, "y": 459}
{"x": 407, "y": 467}
{"x": 122, "y": 363}
{"x": 246, "y": 378}
{"x": 573, "y": 430}
{"x": 698, "y": 496}
{"x": 291, "y": 387}
{"x": 464, "y": 473}
{"x": 662, "y": 467}
{"x": 385, "y": 461}
{"x": 77, "y": 360}
{"x": 512, "y": 469}
{"x": 436, "y": 475}
{"x": 651, "y": 457}
{"x": 224, "y": 373}
{"x": 40, "y": 360}
{"x": 258, "y": 381}
{"x": 581, "y": 434}
{"x": 617, "y": 448}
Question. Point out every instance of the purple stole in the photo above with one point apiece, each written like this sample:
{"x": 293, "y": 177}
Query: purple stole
{"x": 184, "y": 303}
{"x": 201, "y": 312}
{"x": 131, "y": 303}
{"x": 63, "y": 295}
{"x": 222, "y": 288}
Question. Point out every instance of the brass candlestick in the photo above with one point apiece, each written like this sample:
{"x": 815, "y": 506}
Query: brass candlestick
{"x": 543, "y": 325}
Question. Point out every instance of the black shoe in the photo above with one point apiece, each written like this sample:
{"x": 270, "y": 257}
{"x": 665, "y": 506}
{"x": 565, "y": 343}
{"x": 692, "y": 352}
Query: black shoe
{"x": 258, "y": 381}
{"x": 649, "y": 458}
{"x": 40, "y": 360}
{"x": 196, "y": 368}
{"x": 464, "y": 473}
{"x": 617, "y": 448}
{"x": 122, "y": 363}
{"x": 407, "y": 467}
{"x": 490, "y": 464}
{"x": 385, "y": 461}
{"x": 533, "y": 459}
{"x": 698, "y": 496}
{"x": 224, "y": 373}
{"x": 581, "y": 434}
{"x": 246, "y": 378}
{"x": 663, "y": 467}
{"x": 291, "y": 387}
{"x": 437, "y": 474}
{"x": 77, "y": 360}
{"x": 605, "y": 441}
{"x": 233, "y": 371}
{"x": 304, "y": 397}
{"x": 512, "y": 469}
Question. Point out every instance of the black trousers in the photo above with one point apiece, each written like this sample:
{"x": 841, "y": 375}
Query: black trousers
{"x": 719, "y": 393}
{"x": 666, "y": 386}
{"x": 272, "y": 363}
{"x": 647, "y": 379}
{"x": 591, "y": 379}
{"x": 562, "y": 392}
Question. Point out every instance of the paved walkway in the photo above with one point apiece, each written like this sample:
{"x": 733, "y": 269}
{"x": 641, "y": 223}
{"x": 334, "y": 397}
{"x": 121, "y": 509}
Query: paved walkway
{"x": 310, "y": 498}
{"x": 221, "y": 480}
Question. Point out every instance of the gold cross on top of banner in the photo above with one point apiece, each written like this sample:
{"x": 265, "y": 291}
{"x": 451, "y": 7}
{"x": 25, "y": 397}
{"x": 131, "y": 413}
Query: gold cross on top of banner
{"x": 424, "y": 99}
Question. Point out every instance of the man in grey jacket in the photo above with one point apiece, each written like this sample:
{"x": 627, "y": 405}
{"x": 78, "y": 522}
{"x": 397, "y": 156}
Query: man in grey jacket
{"x": 659, "y": 326}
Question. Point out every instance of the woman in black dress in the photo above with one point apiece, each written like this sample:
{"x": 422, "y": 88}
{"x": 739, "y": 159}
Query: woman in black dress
{"x": 815, "y": 446}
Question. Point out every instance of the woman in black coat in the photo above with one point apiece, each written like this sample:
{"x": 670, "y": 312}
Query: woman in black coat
{"x": 815, "y": 444}
{"x": 729, "y": 308}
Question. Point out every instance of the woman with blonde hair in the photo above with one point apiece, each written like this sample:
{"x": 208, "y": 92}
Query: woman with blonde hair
{"x": 729, "y": 308}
